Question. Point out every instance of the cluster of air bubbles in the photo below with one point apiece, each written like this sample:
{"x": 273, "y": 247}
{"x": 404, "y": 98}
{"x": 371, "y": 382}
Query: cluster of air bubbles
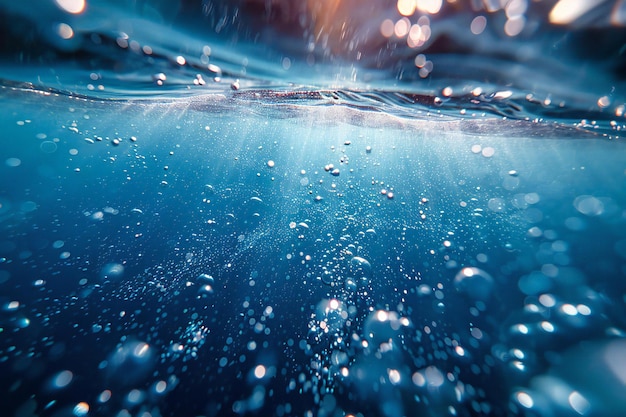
{"x": 332, "y": 170}
{"x": 190, "y": 342}
{"x": 330, "y": 316}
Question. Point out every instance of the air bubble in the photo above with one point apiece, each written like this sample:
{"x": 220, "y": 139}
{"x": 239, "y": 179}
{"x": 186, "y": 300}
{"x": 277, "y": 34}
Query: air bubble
{"x": 474, "y": 282}
{"x": 112, "y": 271}
{"x": 360, "y": 268}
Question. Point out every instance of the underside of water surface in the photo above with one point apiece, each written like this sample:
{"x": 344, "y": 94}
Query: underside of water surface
{"x": 331, "y": 208}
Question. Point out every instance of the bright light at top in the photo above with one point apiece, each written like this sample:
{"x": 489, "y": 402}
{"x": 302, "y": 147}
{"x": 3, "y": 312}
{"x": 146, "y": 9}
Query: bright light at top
{"x": 567, "y": 11}
{"x": 71, "y": 6}
{"x": 429, "y": 6}
{"x": 408, "y": 7}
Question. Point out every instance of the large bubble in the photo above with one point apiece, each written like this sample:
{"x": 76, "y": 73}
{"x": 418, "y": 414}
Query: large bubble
{"x": 360, "y": 268}
{"x": 588, "y": 380}
{"x": 384, "y": 327}
{"x": 474, "y": 282}
{"x": 130, "y": 363}
{"x": 112, "y": 271}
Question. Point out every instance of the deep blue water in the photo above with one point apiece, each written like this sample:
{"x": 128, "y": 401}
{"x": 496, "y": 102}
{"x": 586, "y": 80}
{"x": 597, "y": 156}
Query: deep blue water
{"x": 269, "y": 208}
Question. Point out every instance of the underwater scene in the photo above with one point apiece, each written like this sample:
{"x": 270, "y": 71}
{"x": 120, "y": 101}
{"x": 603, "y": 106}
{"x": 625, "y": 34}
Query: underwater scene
{"x": 315, "y": 208}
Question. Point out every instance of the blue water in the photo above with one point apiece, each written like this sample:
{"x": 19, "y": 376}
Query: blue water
{"x": 273, "y": 208}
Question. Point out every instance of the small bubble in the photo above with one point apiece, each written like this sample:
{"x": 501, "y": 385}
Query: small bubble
{"x": 13, "y": 162}
{"x": 104, "y": 396}
{"x": 48, "y": 146}
{"x": 420, "y": 61}
{"x": 206, "y": 279}
{"x": 63, "y": 379}
{"x": 135, "y": 396}
{"x": 474, "y": 282}
{"x": 502, "y": 95}
{"x": 12, "y": 305}
{"x": 112, "y": 271}
{"x": 81, "y": 409}
{"x": 65, "y": 31}
{"x": 360, "y": 267}
{"x": 488, "y": 152}
{"x": 478, "y": 25}
{"x": 578, "y": 403}
{"x": 259, "y": 371}
{"x": 589, "y": 205}
{"x": 604, "y": 102}
{"x": 496, "y": 205}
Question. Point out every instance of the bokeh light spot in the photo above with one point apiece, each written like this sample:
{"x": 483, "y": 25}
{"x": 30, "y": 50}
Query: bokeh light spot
{"x": 72, "y": 6}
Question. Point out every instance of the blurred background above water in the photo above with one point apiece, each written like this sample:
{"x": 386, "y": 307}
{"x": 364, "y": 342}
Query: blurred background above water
{"x": 522, "y": 58}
